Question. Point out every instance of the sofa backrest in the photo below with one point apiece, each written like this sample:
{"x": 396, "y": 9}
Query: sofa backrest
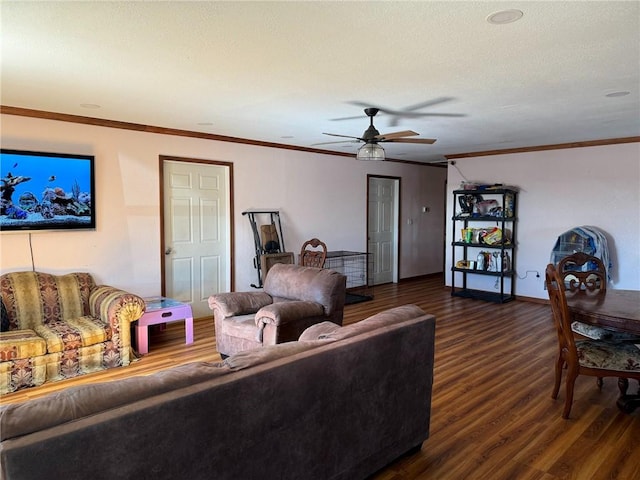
{"x": 338, "y": 409}
{"x": 320, "y": 285}
{"x": 35, "y": 298}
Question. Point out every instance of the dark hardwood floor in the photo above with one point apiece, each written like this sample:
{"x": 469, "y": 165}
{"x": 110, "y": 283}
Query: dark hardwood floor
{"x": 492, "y": 413}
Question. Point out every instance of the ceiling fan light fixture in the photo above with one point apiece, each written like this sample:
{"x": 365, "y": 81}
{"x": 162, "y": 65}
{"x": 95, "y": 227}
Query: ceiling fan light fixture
{"x": 370, "y": 151}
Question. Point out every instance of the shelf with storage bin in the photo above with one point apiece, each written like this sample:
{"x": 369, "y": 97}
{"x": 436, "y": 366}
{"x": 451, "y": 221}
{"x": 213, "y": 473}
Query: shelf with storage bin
{"x": 485, "y": 219}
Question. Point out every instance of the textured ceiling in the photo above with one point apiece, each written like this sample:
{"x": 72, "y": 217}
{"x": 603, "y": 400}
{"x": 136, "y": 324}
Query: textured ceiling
{"x": 284, "y": 71}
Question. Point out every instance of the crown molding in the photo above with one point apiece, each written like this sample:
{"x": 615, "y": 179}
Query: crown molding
{"x": 540, "y": 148}
{"x": 101, "y": 122}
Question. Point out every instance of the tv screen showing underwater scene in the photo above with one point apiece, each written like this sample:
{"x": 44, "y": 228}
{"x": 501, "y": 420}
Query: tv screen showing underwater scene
{"x": 46, "y": 191}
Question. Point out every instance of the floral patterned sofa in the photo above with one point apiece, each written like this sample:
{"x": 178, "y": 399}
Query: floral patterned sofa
{"x": 62, "y": 326}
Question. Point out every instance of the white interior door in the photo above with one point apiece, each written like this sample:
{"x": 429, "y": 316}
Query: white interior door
{"x": 383, "y": 230}
{"x": 196, "y": 232}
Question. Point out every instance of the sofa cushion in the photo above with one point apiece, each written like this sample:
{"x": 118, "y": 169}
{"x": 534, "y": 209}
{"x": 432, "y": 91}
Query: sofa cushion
{"x": 73, "y": 333}
{"x": 76, "y": 402}
{"x": 19, "y": 344}
{"x": 240, "y": 326}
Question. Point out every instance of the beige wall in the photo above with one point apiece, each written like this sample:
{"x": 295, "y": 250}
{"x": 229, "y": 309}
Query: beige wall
{"x": 319, "y": 195}
{"x": 560, "y": 190}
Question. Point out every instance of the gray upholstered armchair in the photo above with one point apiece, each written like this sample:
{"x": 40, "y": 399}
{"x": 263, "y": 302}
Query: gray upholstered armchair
{"x": 293, "y": 299}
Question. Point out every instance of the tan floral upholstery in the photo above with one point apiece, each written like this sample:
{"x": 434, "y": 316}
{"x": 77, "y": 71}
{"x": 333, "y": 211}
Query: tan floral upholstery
{"x": 61, "y": 326}
{"x": 600, "y": 333}
{"x": 623, "y": 357}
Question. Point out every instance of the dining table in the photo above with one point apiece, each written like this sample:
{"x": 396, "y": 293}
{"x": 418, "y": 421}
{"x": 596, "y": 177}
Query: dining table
{"x": 614, "y": 309}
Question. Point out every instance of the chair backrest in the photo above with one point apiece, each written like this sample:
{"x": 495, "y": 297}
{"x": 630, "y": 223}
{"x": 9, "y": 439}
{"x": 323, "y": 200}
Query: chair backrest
{"x": 313, "y": 253}
{"x": 581, "y": 271}
{"x": 561, "y": 316}
{"x": 320, "y": 285}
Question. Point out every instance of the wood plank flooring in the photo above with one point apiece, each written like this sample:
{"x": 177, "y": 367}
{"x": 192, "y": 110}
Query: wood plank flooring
{"x": 492, "y": 414}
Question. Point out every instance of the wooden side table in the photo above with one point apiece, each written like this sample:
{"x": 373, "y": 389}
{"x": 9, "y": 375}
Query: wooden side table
{"x": 162, "y": 310}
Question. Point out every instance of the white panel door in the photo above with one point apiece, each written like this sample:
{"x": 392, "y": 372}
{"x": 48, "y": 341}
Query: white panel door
{"x": 196, "y": 232}
{"x": 382, "y": 232}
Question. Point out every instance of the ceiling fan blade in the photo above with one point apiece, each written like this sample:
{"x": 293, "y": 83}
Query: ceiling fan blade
{"x": 408, "y": 110}
{"x": 428, "y": 103}
{"x": 366, "y": 105}
{"x": 428, "y": 141}
{"x": 389, "y": 136}
{"x": 355, "y": 140}
{"x": 338, "y": 135}
{"x": 346, "y": 118}
{"x": 420, "y": 114}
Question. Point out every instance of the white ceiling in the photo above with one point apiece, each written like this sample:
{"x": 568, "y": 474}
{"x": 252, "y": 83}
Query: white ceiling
{"x": 282, "y": 71}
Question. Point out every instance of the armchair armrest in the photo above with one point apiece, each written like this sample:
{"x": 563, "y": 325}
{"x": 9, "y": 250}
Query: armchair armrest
{"x": 238, "y": 303}
{"x": 117, "y": 309}
{"x": 286, "y": 312}
{"x": 290, "y": 311}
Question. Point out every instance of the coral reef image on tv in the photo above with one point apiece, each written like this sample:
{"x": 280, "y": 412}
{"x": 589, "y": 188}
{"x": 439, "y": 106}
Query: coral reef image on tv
{"x": 46, "y": 191}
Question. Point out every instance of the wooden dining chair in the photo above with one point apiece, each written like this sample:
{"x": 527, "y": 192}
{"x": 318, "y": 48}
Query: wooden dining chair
{"x": 585, "y": 357}
{"x": 313, "y": 253}
{"x": 585, "y": 274}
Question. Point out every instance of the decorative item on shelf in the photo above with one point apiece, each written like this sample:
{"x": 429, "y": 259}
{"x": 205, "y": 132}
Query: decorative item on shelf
{"x": 480, "y": 262}
{"x": 496, "y": 263}
{"x": 509, "y": 201}
{"x": 467, "y": 235}
{"x": 464, "y": 185}
{"x": 467, "y": 204}
{"x": 493, "y": 237}
{"x": 488, "y": 208}
{"x": 506, "y": 262}
{"x": 464, "y": 264}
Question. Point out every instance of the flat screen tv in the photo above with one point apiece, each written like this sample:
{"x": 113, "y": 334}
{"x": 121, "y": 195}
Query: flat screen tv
{"x": 46, "y": 191}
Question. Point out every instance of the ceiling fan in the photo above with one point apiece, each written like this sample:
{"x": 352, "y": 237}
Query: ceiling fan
{"x": 371, "y": 137}
{"x": 407, "y": 112}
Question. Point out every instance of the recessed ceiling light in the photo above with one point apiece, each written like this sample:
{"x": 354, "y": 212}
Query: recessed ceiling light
{"x": 205, "y": 124}
{"x": 92, "y": 106}
{"x": 617, "y": 94}
{"x": 504, "y": 16}
{"x": 287, "y": 136}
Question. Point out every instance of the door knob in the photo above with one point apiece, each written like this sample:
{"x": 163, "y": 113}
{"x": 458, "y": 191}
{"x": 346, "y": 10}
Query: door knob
{"x": 168, "y": 251}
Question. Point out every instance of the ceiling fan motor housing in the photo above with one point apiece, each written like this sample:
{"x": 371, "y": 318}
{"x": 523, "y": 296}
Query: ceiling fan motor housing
{"x": 370, "y": 133}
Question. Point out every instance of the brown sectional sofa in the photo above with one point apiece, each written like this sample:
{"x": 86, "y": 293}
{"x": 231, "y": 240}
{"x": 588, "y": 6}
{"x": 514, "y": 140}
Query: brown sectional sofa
{"x": 340, "y": 403}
